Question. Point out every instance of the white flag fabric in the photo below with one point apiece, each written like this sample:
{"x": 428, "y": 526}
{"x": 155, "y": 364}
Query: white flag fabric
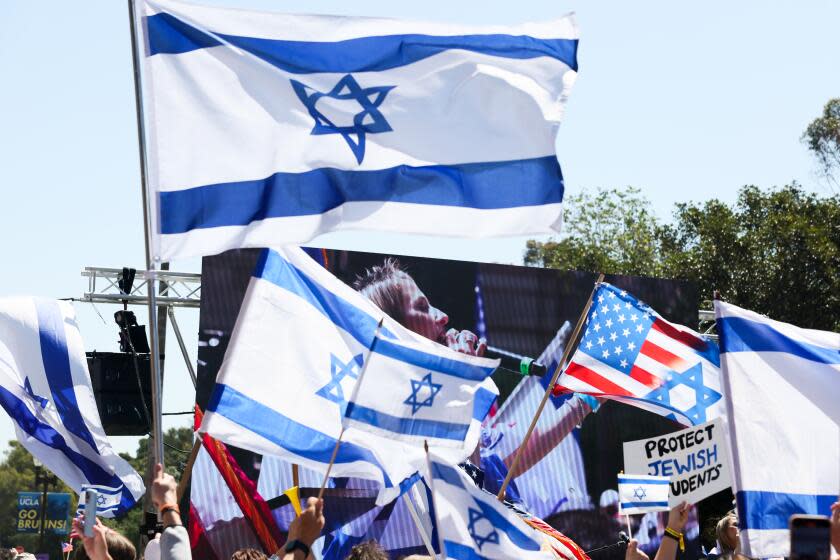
{"x": 300, "y": 341}
{"x": 45, "y": 388}
{"x": 642, "y": 493}
{"x": 266, "y": 129}
{"x": 417, "y": 393}
{"x": 473, "y": 524}
{"x": 783, "y": 405}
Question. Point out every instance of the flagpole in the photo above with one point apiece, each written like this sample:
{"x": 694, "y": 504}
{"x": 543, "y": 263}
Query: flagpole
{"x": 629, "y": 530}
{"x": 557, "y": 371}
{"x": 420, "y": 529}
{"x": 151, "y": 263}
{"x": 434, "y": 507}
{"x": 352, "y": 398}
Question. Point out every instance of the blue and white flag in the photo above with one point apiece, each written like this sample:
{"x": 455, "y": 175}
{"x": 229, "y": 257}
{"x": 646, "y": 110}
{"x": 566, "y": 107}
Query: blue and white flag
{"x": 783, "y": 405}
{"x": 419, "y": 394}
{"x": 266, "y": 129}
{"x": 473, "y": 524}
{"x": 45, "y": 388}
{"x": 300, "y": 342}
{"x": 642, "y": 493}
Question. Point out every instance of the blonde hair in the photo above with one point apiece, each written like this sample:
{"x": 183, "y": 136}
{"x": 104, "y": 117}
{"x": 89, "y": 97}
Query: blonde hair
{"x": 383, "y": 285}
{"x": 721, "y": 530}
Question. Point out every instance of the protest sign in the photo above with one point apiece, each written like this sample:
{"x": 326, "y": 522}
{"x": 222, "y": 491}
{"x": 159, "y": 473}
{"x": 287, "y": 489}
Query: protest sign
{"x": 695, "y": 459}
{"x": 57, "y": 514}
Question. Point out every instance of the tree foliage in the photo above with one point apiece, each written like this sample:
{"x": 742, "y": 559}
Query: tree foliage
{"x": 611, "y": 231}
{"x": 823, "y": 138}
{"x": 774, "y": 251}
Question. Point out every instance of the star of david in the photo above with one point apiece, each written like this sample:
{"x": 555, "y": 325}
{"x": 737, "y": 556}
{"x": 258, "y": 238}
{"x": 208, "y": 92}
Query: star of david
{"x": 639, "y": 493}
{"x": 480, "y": 540}
{"x": 100, "y": 501}
{"x": 367, "y": 121}
{"x": 333, "y": 390}
{"x": 27, "y": 386}
{"x": 416, "y": 386}
{"x": 693, "y": 379}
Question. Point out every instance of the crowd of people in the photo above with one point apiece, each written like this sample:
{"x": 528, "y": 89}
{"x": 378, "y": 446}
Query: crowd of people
{"x": 174, "y": 543}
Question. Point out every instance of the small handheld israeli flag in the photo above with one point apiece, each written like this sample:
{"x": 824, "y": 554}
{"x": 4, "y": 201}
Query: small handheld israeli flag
{"x": 422, "y": 393}
{"x": 473, "y": 524}
{"x": 641, "y": 493}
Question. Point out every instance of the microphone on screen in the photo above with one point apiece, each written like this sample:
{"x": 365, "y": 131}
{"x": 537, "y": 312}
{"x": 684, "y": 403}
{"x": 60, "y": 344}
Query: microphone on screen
{"x": 517, "y": 363}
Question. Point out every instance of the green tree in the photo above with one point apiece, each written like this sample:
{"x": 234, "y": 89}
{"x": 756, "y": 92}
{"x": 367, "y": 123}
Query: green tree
{"x": 774, "y": 251}
{"x": 823, "y": 139}
{"x": 610, "y": 231}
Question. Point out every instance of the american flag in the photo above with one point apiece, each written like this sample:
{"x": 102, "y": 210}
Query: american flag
{"x": 631, "y": 354}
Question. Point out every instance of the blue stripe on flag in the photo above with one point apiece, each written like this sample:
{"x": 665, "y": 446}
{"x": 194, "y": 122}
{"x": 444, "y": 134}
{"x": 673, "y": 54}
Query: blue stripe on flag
{"x": 502, "y": 523}
{"x": 625, "y": 505}
{"x": 48, "y": 436}
{"x": 408, "y": 426}
{"x": 430, "y": 361}
{"x": 459, "y": 551}
{"x": 742, "y": 335}
{"x": 447, "y": 474}
{"x": 483, "y": 186}
{"x": 170, "y": 35}
{"x": 274, "y": 268}
{"x": 57, "y": 368}
{"x": 285, "y": 432}
{"x": 772, "y": 510}
{"x": 623, "y": 480}
{"x": 484, "y": 399}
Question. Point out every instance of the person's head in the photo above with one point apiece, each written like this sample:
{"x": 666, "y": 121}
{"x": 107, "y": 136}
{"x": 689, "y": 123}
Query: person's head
{"x": 396, "y": 293}
{"x": 248, "y": 554}
{"x": 119, "y": 548}
{"x": 608, "y": 502}
{"x": 369, "y": 550}
{"x": 727, "y": 532}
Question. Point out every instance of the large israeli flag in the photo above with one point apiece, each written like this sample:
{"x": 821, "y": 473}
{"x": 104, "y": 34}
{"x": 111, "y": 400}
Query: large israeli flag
{"x": 296, "y": 353}
{"x": 265, "y": 129}
{"x": 45, "y": 388}
{"x": 473, "y": 524}
{"x": 420, "y": 394}
{"x": 782, "y": 386}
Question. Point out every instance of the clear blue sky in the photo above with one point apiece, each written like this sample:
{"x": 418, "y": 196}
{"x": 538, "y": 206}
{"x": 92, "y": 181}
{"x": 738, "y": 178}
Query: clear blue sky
{"x": 687, "y": 101}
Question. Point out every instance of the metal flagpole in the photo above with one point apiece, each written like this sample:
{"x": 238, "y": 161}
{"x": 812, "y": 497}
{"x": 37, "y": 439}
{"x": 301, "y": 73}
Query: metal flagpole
{"x": 151, "y": 262}
{"x": 557, "y": 371}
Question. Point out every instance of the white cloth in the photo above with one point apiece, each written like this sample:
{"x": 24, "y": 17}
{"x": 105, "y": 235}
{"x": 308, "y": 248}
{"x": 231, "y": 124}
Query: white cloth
{"x": 266, "y": 128}
{"x": 175, "y": 544}
{"x": 45, "y": 387}
{"x": 783, "y": 404}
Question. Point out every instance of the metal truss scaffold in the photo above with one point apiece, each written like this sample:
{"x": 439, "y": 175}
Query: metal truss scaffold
{"x": 178, "y": 289}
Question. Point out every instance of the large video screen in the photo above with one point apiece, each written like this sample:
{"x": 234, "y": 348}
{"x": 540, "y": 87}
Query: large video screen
{"x": 570, "y": 478}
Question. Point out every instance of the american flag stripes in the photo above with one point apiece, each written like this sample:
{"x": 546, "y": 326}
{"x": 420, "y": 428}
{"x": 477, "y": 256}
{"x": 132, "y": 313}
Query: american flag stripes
{"x": 631, "y": 354}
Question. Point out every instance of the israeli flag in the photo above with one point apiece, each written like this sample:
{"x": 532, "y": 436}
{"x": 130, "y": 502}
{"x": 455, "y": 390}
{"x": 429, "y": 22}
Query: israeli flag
{"x": 266, "y": 129}
{"x": 473, "y": 524}
{"x": 782, "y": 388}
{"x": 300, "y": 342}
{"x": 419, "y": 394}
{"x": 642, "y": 493}
{"x": 45, "y": 388}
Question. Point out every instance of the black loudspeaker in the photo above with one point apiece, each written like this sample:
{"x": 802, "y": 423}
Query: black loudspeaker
{"x": 124, "y": 406}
